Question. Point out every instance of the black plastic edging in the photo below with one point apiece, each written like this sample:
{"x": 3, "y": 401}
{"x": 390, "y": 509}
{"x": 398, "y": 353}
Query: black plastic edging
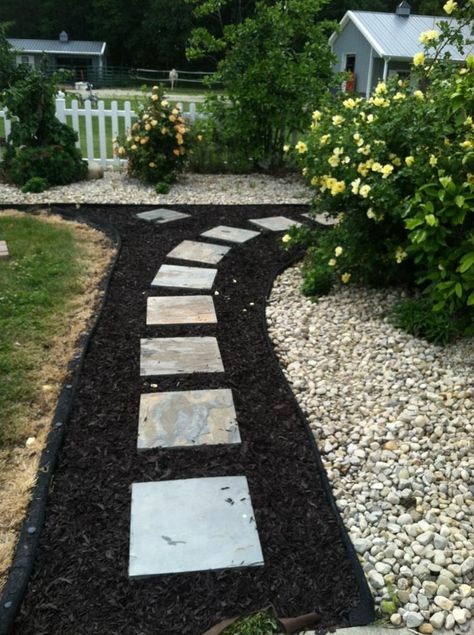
{"x": 363, "y": 613}
{"x": 29, "y": 537}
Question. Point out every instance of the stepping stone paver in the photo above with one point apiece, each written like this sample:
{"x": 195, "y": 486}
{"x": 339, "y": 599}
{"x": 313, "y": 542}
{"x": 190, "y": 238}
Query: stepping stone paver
{"x": 182, "y": 309}
{"x": 231, "y": 234}
{"x": 179, "y": 355}
{"x": 184, "y": 277}
{"x": 162, "y": 215}
{"x": 322, "y": 219}
{"x": 208, "y": 253}
{"x": 275, "y": 223}
{"x": 3, "y": 250}
{"x": 192, "y": 525}
{"x": 187, "y": 419}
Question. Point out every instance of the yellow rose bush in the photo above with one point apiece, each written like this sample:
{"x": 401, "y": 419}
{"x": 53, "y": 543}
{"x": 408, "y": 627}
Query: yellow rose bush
{"x": 158, "y": 143}
{"x": 397, "y": 170}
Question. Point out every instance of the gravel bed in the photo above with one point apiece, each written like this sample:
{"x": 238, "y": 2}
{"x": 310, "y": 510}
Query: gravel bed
{"x": 393, "y": 417}
{"x": 197, "y": 189}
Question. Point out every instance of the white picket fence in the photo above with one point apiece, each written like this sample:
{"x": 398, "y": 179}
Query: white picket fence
{"x": 97, "y": 126}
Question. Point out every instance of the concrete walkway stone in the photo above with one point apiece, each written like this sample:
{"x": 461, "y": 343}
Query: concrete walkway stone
{"x": 182, "y": 309}
{"x": 184, "y": 277}
{"x": 208, "y": 253}
{"x": 230, "y": 234}
{"x": 3, "y": 250}
{"x": 187, "y": 419}
{"x": 192, "y": 525}
{"x": 275, "y": 223}
{"x": 162, "y": 215}
{"x": 179, "y": 355}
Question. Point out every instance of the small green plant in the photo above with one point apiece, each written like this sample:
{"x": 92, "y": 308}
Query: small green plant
{"x": 36, "y": 184}
{"x": 54, "y": 165}
{"x": 158, "y": 143}
{"x": 162, "y": 187}
{"x": 261, "y": 623}
{"x": 416, "y": 316}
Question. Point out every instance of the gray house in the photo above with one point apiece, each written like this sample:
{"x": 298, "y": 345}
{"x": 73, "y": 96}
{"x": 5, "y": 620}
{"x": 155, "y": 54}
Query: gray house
{"x": 374, "y": 46}
{"x": 78, "y": 55}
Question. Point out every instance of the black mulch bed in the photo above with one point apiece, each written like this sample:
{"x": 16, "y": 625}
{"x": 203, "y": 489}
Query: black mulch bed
{"x": 80, "y": 583}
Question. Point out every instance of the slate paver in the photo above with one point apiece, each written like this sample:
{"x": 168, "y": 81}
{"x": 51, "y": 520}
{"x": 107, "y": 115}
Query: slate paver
{"x": 275, "y": 223}
{"x": 179, "y": 355}
{"x": 184, "y": 277}
{"x": 187, "y": 419}
{"x": 192, "y": 525}
{"x": 181, "y": 309}
{"x": 196, "y": 251}
{"x": 231, "y": 234}
{"x": 3, "y": 250}
{"x": 162, "y": 215}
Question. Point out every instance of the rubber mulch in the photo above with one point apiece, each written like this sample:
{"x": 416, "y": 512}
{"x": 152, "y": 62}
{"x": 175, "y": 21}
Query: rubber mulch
{"x": 80, "y": 583}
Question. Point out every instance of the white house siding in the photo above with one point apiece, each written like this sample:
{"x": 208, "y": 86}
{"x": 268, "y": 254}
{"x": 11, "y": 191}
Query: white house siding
{"x": 351, "y": 42}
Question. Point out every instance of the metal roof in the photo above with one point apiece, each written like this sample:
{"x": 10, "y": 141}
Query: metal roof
{"x": 72, "y": 47}
{"x": 397, "y": 37}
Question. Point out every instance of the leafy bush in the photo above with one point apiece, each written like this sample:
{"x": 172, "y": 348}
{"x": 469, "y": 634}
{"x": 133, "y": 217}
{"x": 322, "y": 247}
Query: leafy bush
{"x": 157, "y": 144}
{"x": 35, "y": 184}
{"x": 398, "y": 172}
{"x": 416, "y": 316}
{"x": 277, "y": 65}
{"x": 52, "y": 164}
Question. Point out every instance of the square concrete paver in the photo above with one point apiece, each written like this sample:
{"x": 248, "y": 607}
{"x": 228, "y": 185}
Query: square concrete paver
{"x": 208, "y": 253}
{"x": 180, "y": 355}
{"x": 181, "y": 309}
{"x": 184, "y": 277}
{"x": 231, "y": 234}
{"x": 275, "y": 223}
{"x": 187, "y": 419}
{"x": 194, "y": 524}
{"x": 161, "y": 215}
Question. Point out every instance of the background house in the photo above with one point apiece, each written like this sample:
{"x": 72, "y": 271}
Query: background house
{"x": 374, "y": 45}
{"x": 84, "y": 58}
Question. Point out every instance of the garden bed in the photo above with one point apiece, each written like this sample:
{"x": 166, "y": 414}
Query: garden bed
{"x": 80, "y": 582}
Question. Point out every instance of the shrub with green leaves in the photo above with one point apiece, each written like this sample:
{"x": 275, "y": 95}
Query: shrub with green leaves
{"x": 397, "y": 170}
{"x": 158, "y": 143}
{"x": 53, "y": 165}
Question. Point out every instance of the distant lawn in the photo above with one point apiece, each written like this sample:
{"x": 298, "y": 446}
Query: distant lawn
{"x": 37, "y": 285}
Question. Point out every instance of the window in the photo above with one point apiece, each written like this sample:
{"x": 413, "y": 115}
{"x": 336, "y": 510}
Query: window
{"x": 350, "y": 63}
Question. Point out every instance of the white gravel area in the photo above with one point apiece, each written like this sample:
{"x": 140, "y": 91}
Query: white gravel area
{"x": 393, "y": 417}
{"x": 218, "y": 189}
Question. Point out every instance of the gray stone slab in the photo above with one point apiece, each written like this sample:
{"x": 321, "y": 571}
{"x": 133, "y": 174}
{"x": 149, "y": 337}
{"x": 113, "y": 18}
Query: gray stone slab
{"x": 184, "y": 277}
{"x": 161, "y": 215}
{"x": 231, "y": 234}
{"x": 192, "y": 525}
{"x": 322, "y": 219}
{"x": 208, "y": 253}
{"x": 187, "y": 419}
{"x": 181, "y": 309}
{"x": 3, "y": 249}
{"x": 275, "y": 223}
{"x": 179, "y": 355}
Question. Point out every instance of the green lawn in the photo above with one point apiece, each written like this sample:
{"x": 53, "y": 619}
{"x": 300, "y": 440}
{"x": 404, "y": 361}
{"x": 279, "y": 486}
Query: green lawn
{"x": 37, "y": 284}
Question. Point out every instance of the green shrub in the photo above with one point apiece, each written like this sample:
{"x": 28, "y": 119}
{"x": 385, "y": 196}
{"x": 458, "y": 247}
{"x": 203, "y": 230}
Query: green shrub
{"x": 53, "y": 164}
{"x": 416, "y": 316}
{"x": 158, "y": 143}
{"x": 35, "y": 184}
{"x": 162, "y": 187}
{"x": 261, "y": 623}
{"x": 397, "y": 170}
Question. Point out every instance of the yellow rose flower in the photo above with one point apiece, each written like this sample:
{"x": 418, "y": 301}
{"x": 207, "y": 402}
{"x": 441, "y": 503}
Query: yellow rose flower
{"x": 466, "y": 145}
{"x": 121, "y": 151}
{"x": 199, "y": 137}
{"x": 409, "y": 160}
{"x": 155, "y": 88}
{"x": 324, "y": 139}
{"x": 355, "y": 186}
{"x": 133, "y": 147}
{"x": 164, "y": 103}
{"x": 337, "y": 188}
{"x": 364, "y": 191}
{"x": 450, "y": 6}
{"x": 376, "y": 166}
{"x": 314, "y": 181}
{"x": 429, "y": 36}
{"x": 362, "y": 169}
{"x": 433, "y": 160}
{"x": 468, "y": 121}
{"x": 400, "y": 254}
{"x": 152, "y": 165}
{"x": 144, "y": 140}
{"x": 419, "y": 59}
{"x": 137, "y": 138}
{"x": 386, "y": 170}
{"x": 418, "y": 94}
{"x": 154, "y": 122}
{"x": 338, "y": 251}
{"x": 470, "y": 178}
{"x": 301, "y": 147}
{"x": 399, "y": 96}
{"x": 332, "y": 262}
{"x": 397, "y": 161}
{"x": 381, "y": 88}
{"x": 371, "y": 118}
{"x": 154, "y": 97}
{"x": 317, "y": 115}
{"x": 338, "y": 120}
{"x": 338, "y": 151}
{"x": 371, "y": 214}
{"x": 286, "y": 148}
{"x": 147, "y": 127}
{"x": 286, "y": 238}
{"x": 345, "y": 277}
{"x": 333, "y": 161}
{"x": 172, "y": 118}
{"x": 176, "y": 152}
{"x": 179, "y": 139}
{"x": 349, "y": 103}
{"x": 164, "y": 130}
